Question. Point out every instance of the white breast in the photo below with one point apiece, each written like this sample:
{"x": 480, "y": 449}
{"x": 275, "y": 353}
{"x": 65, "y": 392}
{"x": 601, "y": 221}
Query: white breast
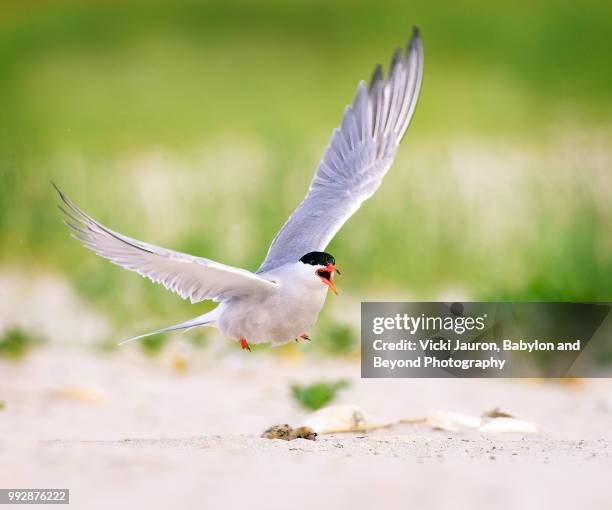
{"x": 278, "y": 317}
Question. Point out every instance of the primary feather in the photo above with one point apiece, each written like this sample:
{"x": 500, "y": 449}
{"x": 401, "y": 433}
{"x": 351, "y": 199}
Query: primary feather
{"x": 191, "y": 277}
{"x": 360, "y": 152}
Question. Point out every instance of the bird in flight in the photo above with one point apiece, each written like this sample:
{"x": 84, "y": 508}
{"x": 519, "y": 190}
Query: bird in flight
{"x": 281, "y": 301}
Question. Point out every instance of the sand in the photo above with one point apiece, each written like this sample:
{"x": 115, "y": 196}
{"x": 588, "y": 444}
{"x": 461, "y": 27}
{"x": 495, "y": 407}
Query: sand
{"x": 124, "y": 431}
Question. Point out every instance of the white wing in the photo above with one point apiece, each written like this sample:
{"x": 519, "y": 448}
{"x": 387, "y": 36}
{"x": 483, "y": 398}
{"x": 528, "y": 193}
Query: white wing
{"x": 190, "y": 277}
{"x": 358, "y": 157}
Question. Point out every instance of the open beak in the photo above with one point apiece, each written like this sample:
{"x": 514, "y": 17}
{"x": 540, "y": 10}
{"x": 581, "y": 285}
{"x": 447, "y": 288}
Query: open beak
{"x": 327, "y": 276}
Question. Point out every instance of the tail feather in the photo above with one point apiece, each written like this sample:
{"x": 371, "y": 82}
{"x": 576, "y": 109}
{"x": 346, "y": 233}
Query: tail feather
{"x": 208, "y": 319}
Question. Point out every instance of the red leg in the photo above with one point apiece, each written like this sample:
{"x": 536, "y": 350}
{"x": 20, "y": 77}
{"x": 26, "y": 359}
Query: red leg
{"x": 244, "y": 344}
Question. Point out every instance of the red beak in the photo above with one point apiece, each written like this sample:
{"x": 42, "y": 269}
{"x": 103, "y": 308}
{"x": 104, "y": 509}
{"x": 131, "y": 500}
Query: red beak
{"x": 327, "y": 274}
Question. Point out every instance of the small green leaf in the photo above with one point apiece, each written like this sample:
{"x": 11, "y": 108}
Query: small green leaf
{"x": 316, "y": 395}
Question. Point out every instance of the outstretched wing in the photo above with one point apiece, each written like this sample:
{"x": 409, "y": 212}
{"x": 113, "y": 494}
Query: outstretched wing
{"x": 358, "y": 157}
{"x": 190, "y": 277}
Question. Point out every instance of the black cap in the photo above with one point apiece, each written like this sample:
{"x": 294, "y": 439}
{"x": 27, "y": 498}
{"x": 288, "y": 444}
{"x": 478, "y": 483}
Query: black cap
{"x": 318, "y": 258}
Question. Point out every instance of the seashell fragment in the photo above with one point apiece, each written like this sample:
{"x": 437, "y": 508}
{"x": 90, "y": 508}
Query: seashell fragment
{"x": 345, "y": 418}
{"x": 503, "y": 425}
{"x": 452, "y": 422}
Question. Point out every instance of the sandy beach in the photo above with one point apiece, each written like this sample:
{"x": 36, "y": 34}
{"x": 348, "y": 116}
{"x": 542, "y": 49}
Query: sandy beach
{"x": 125, "y": 431}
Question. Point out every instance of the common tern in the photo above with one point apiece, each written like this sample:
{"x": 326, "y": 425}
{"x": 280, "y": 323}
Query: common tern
{"x": 281, "y": 301}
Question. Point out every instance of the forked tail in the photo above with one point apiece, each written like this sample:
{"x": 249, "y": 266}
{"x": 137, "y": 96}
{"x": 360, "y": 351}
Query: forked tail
{"x": 208, "y": 319}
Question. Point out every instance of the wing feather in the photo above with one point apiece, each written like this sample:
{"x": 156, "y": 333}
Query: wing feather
{"x": 191, "y": 277}
{"x": 359, "y": 155}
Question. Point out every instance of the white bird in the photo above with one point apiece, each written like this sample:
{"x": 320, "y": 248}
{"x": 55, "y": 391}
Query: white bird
{"x": 282, "y": 300}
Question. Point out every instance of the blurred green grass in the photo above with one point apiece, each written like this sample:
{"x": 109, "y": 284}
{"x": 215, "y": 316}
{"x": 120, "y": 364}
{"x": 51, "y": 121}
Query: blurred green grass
{"x": 199, "y": 125}
{"x": 15, "y": 344}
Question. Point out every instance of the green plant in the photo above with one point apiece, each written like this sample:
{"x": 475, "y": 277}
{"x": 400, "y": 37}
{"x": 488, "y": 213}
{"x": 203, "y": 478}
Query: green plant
{"x": 15, "y": 343}
{"x": 316, "y": 395}
{"x": 152, "y": 345}
{"x": 338, "y": 339}
{"x": 198, "y": 338}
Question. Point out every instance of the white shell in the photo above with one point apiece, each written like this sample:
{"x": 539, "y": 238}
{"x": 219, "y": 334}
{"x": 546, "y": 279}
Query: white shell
{"x": 504, "y": 424}
{"x": 452, "y": 422}
{"x": 344, "y": 418}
